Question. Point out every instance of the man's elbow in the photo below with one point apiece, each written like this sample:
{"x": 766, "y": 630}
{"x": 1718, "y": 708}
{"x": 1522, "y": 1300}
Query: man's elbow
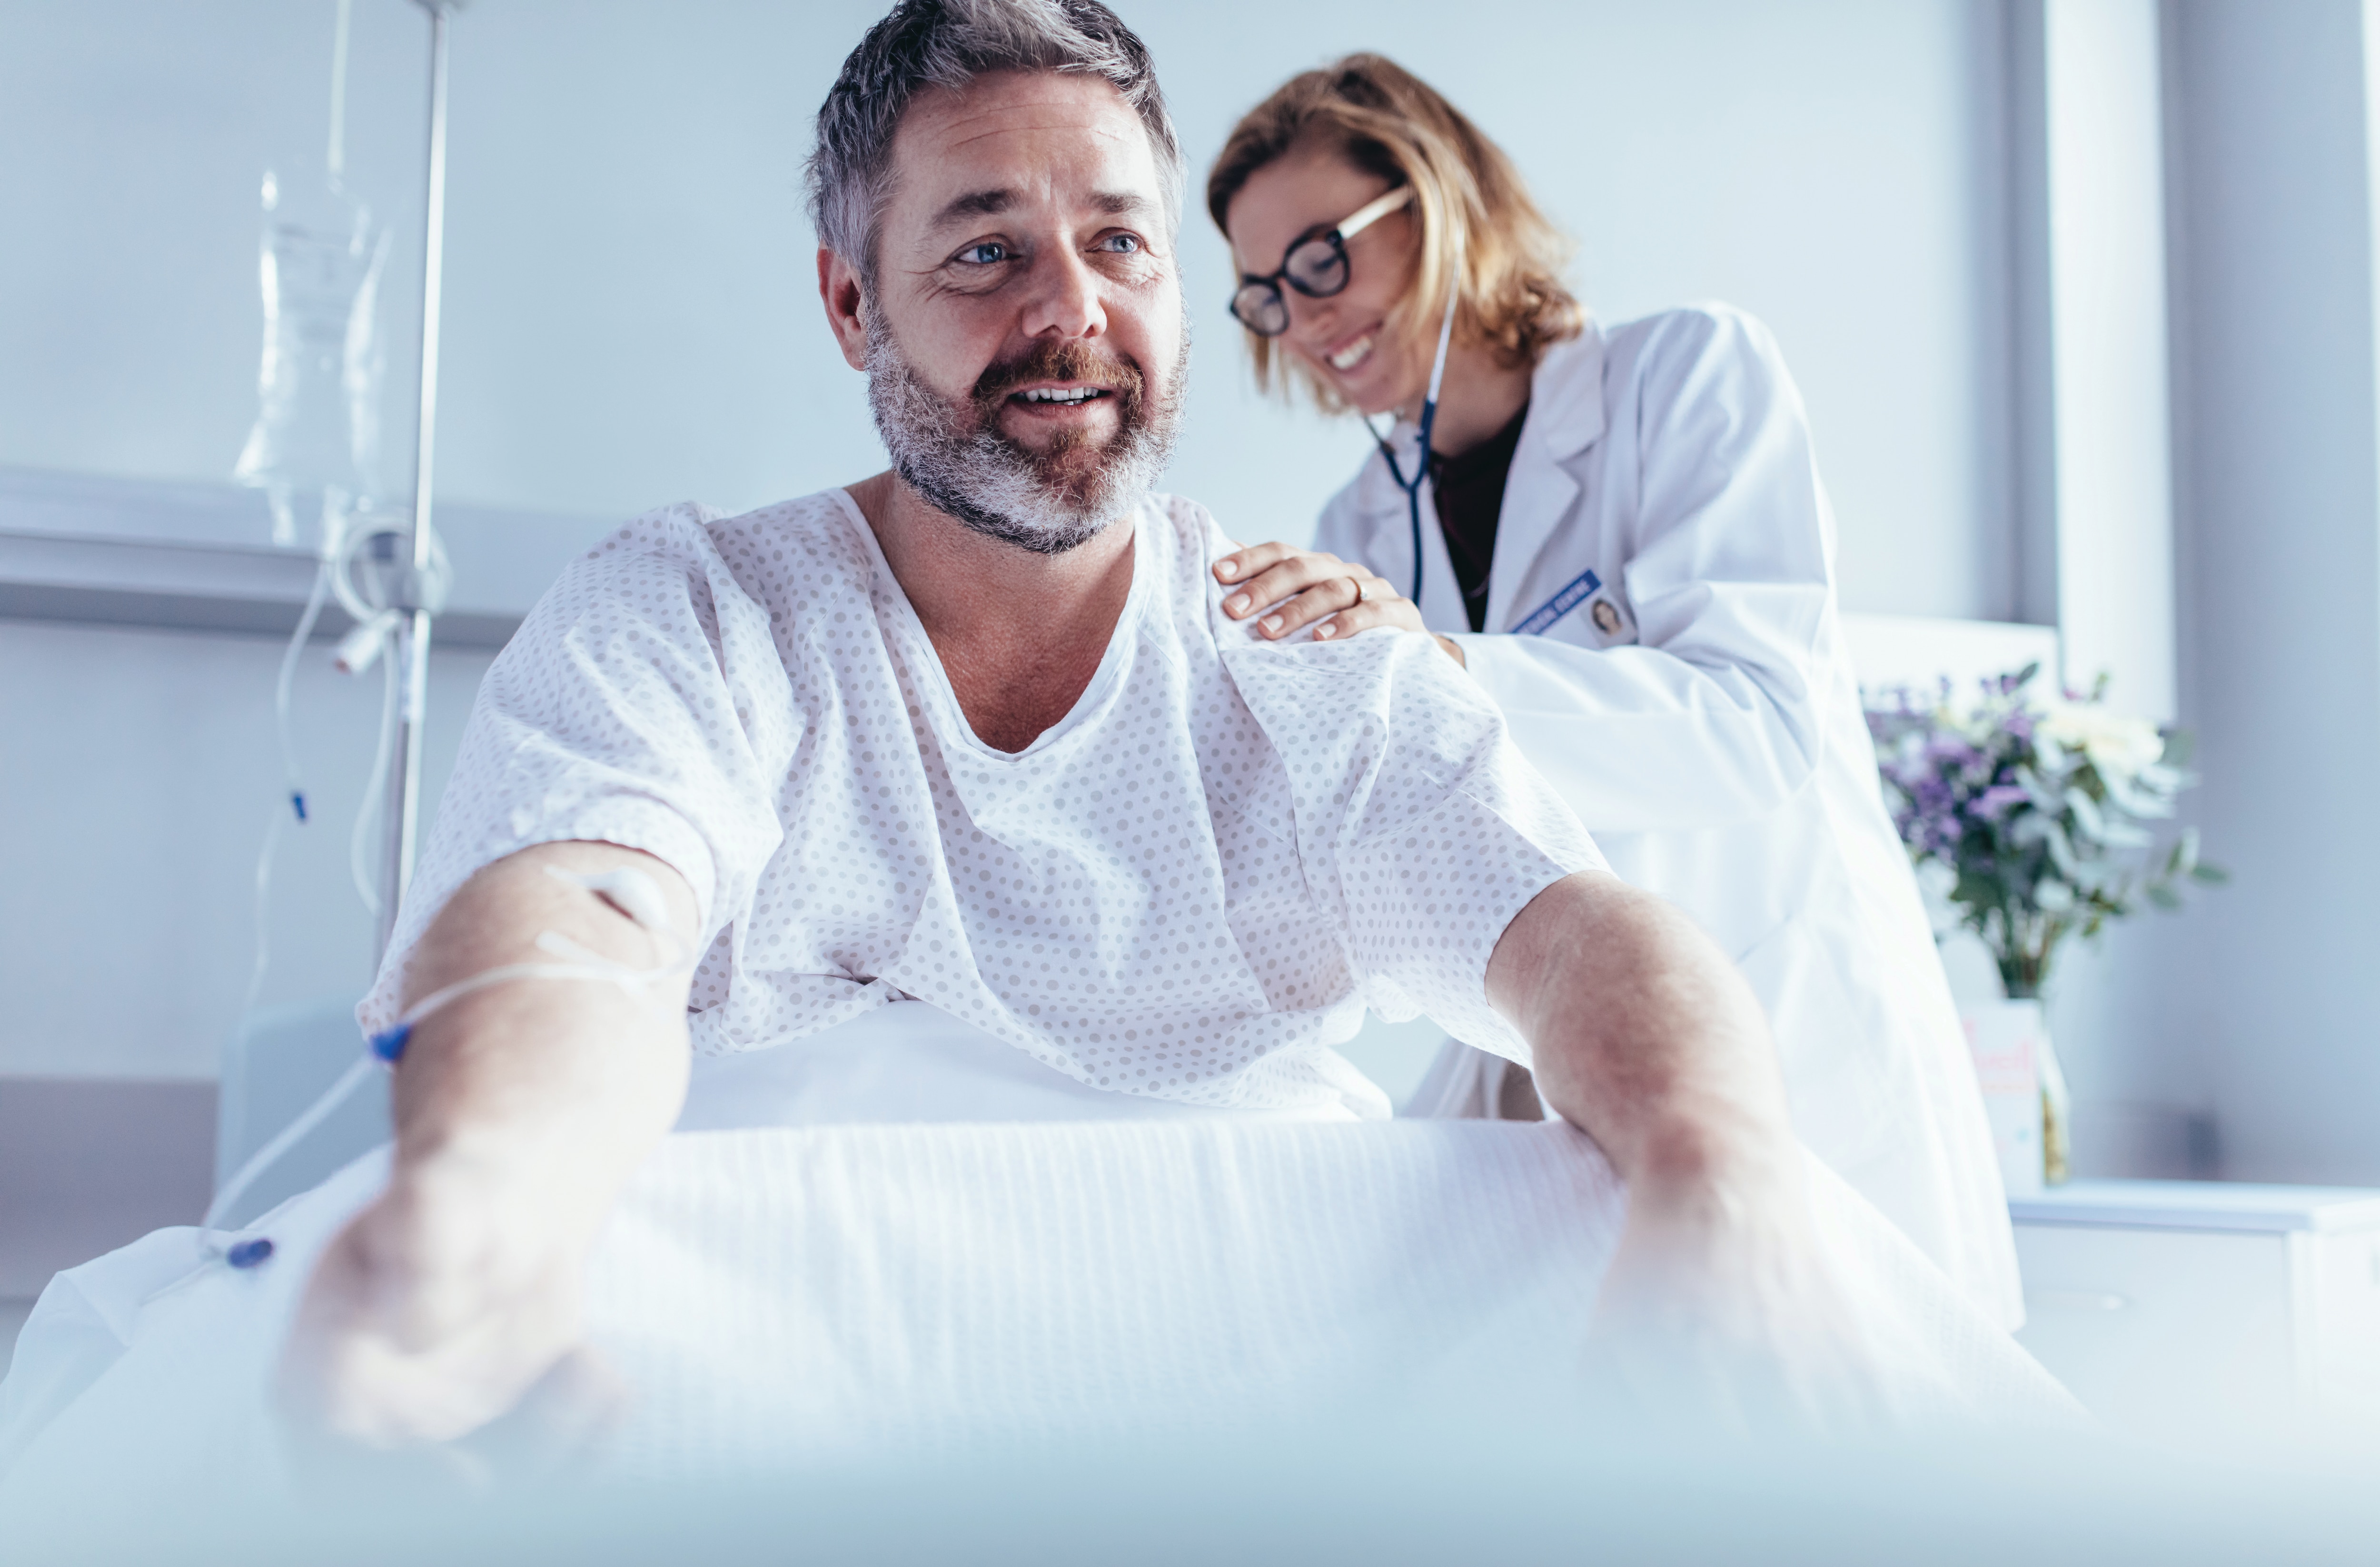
{"x": 1588, "y": 930}
{"x": 1642, "y": 1031}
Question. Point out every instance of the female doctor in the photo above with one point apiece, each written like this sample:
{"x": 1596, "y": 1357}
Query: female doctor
{"x": 1619, "y": 532}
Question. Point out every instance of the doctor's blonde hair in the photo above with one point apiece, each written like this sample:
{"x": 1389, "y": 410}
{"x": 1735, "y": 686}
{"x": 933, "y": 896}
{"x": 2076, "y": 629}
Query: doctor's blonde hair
{"x": 1473, "y": 207}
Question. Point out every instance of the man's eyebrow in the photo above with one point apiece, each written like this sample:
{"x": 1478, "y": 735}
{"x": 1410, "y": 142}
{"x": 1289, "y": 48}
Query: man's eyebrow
{"x": 975, "y": 204}
{"x": 1122, "y": 203}
{"x": 990, "y": 203}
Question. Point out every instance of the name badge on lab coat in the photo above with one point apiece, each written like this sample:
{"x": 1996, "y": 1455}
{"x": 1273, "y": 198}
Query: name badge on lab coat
{"x": 1602, "y": 607}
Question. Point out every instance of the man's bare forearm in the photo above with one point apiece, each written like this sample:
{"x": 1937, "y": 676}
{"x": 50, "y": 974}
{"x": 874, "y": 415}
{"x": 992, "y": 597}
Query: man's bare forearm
{"x": 1643, "y": 1034}
{"x": 521, "y": 1109}
{"x": 557, "y": 1087}
{"x": 1719, "y": 1293}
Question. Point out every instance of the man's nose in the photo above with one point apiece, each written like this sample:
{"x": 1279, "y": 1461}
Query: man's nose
{"x": 1066, "y": 299}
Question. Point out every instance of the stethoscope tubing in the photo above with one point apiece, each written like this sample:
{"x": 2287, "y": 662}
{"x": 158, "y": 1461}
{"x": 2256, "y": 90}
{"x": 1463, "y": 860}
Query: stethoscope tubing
{"x": 1428, "y": 420}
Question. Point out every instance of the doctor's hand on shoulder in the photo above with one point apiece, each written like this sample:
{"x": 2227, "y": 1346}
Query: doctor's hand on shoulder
{"x": 1293, "y": 588}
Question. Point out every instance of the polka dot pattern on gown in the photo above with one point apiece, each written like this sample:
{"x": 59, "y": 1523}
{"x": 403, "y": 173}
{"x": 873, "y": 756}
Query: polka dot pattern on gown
{"x": 1190, "y": 887}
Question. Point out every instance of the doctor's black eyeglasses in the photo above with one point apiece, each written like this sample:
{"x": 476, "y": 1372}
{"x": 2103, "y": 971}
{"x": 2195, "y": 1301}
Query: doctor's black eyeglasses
{"x": 1316, "y": 267}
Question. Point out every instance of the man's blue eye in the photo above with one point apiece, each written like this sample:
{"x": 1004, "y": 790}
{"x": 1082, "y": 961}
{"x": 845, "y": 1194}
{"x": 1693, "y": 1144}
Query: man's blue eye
{"x": 1124, "y": 243}
{"x": 985, "y": 253}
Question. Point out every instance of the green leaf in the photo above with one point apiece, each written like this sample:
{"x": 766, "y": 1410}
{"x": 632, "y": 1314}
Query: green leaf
{"x": 2088, "y": 823}
{"x": 2213, "y": 875}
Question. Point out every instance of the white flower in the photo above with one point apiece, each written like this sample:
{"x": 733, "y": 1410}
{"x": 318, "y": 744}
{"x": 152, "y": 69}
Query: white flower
{"x": 2116, "y": 745}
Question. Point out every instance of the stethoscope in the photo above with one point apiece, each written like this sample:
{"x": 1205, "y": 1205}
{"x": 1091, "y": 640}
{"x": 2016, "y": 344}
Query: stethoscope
{"x": 1428, "y": 419}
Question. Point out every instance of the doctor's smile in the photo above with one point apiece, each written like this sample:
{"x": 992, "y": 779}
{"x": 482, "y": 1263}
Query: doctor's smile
{"x": 1345, "y": 359}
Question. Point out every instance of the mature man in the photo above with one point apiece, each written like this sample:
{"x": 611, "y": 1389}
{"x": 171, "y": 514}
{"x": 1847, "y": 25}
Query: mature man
{"x": 968, "y": 748}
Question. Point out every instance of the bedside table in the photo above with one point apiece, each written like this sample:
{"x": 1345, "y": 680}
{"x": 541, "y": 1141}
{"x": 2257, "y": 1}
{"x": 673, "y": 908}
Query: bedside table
{"x": 2162, "y": 1300}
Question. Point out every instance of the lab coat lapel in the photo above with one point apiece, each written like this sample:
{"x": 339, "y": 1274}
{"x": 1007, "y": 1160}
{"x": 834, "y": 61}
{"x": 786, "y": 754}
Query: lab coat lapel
{"x": 1566, "y": 419}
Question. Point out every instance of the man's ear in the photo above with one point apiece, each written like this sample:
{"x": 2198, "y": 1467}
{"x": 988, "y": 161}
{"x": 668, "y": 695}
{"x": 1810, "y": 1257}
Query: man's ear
{"x": 841, "y": 292}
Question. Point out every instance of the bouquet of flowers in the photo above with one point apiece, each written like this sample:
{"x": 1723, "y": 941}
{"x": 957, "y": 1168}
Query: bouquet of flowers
{"x": 2032, "y": 818}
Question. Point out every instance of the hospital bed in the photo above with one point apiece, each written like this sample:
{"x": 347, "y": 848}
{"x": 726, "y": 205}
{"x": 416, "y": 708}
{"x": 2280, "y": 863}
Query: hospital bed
{"x": 788, "y": 1298}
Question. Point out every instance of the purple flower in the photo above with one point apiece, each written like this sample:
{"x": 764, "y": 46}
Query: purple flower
{"x": 1950, "y": 748}
{"x": 1997, "y": 801}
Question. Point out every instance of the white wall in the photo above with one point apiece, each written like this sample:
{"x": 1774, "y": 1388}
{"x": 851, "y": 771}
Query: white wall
{"x": 2105, "y": 168}
{"x": 138, "y": 775}
{"x": 630, "y": 320}
{"x": 630, "y": 316}
{"x": 2258, "y": 1008}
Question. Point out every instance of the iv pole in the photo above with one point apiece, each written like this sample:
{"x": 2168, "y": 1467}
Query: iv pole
{"x": 402, "y": 796}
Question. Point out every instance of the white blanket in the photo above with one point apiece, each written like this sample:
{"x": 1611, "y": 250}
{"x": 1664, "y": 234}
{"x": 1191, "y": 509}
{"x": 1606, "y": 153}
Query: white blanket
{"x": 789, "y": 1297}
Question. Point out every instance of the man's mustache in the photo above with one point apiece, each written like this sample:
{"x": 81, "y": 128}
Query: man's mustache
{"x": 1069, "y": 361}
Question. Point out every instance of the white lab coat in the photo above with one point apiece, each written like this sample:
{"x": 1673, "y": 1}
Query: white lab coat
{"x": 1722, "y": 760}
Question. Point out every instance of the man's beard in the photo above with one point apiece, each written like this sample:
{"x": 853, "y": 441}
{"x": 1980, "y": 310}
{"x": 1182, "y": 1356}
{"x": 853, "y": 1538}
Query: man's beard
{"x": 955, "y": 454}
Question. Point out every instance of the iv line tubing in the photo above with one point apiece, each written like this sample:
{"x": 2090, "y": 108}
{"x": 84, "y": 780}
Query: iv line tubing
{"x": 290, "y": 1136}
{"x": 389, "y": 1047}
{"x": 293, "y": 796}
{"x": 368, "y": 815}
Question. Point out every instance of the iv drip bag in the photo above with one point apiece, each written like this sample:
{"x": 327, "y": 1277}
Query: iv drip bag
{"x": 315, "y": 448}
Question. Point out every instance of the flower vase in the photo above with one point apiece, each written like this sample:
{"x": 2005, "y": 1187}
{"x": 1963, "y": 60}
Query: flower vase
{"x": 2057, "y": 1115}
{"x": 2025, "y": 1093}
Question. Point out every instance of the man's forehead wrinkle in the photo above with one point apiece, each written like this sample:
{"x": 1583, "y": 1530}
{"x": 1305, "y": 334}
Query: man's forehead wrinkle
{"x": 990, "y": 203}
{"x": 1076, "y": 99}
{"x": 939, "y": 128}
{"x": 965, "y": 120}
{"x": 1110, "y": 134}
{"x": 1111, "y": 170}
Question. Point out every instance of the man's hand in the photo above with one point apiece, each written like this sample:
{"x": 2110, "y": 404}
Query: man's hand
{"x": 521, "y": 1109}
{"x": 1719, "y": 1304}
{"x": 1719, "y": 1308}
{"x": 1296, "y": 587}
{"x": 433, "y": 1312}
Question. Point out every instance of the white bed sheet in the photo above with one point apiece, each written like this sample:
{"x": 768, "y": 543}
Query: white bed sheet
{"x": 791, "y": 1296}
{"x": 831, "y": 1286}
{"x": 913, "y": 1062}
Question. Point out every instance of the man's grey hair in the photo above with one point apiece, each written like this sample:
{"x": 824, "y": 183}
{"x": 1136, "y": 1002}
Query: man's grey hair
{"x": 923, "y": 43}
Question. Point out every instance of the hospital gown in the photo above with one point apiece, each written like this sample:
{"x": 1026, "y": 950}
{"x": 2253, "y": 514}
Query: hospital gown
{"x": 1190, "y": 887}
